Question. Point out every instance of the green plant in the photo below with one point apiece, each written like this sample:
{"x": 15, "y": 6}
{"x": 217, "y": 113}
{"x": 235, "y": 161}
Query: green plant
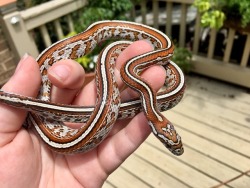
{"x": 97, "y": 10}
{"x": 22, "y": 4}
{"x": 87, "y": 62}
{"x": 182, "y": 57}
{"x": 215, "y": 12}
{"x": 239, "y": 9}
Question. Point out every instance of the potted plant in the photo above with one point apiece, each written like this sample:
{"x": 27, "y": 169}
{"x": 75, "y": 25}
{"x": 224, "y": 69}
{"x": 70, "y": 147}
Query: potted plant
{"x": 95, "y": 11}
{"x": 182, "y": 57}
{"x": 216, "y": 13}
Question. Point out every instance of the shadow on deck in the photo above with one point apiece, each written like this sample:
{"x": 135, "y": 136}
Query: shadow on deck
{"x": 214, "y": 122}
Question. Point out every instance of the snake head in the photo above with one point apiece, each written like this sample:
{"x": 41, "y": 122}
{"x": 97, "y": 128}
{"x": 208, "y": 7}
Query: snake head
{"x": 169, "y": 137}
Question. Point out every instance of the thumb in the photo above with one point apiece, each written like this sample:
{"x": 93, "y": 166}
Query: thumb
{"x": 25, "y": 81}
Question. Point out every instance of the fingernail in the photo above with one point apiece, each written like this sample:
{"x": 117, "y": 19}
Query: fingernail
{"x": 21, "y": 62}
{"x": 25, "y": 56}
{"x": 60, "y": 72}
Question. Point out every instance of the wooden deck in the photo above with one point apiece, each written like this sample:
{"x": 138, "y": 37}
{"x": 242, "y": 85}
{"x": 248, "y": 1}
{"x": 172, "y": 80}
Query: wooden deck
{"x": 213, "y": 120}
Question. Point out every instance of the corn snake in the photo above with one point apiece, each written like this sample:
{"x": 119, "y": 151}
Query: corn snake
{"x": 48, "y": 117}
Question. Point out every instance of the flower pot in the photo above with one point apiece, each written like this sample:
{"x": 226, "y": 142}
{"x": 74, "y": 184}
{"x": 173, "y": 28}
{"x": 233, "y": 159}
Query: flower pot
{"x": 236, "y": 24}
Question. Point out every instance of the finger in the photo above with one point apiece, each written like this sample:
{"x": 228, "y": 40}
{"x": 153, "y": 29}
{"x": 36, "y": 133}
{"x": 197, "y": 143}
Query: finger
{"x": 88, "y": 95}
{"x": 154, "y": 76}
{"x": 67, "y": 78}
{"x": 115, "y": 149}
{"x": 135, "y": 49}
{"x": 127, "y": 135}
{"x": 25, "y": 81}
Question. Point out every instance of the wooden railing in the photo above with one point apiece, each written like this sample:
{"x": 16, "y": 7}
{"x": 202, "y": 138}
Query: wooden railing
{"x": 162, "y": 15}
{"x": 177, "y": 18}
{"x": 19, "y": 25}
{"x": 167, "y": 13}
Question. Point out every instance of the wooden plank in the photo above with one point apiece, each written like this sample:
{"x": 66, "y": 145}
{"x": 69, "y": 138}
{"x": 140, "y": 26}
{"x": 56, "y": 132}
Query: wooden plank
{"x": 212, "y": 42}
{"x": 156, "y": 14}
{"x": 144, "y": 11}
{"x": 122, "y": 178}
{"x": 197, "y": 31}
{"x": 19, "y": 39}
{"x": 107, "y": 185}
{"x": 150, "y": 174}
{"x": 215, "y": 122}
{"x": 70, "y": 23}
{"x": 222, "y": 101}
{"x": 214, "y": 151}
{"x": 229, "y": 45}
{"x": 223, "y": 96}
{"x": 45, "y": 35}
{"x": 219, "y": 88}
{"x": 183, "y": 19}
{"x": 242, "y": 182}
{"x": 172, "y": 165}
{"x": 169, "y": 10}
{"x": 200, "y": 162}
{"x": 246, "y": 52}
{"x": 132, "y": 13}
{"x": 218, "y": 111}
{"x": 58, "y": 29}
{"x": 203, "y": 156}
{"x": 42, "y": 14}
{"x": 227, "y": 72}
{"x": 213, "y": 135}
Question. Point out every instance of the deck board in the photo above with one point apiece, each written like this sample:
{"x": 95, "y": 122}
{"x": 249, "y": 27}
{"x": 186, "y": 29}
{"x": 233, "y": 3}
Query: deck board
{"x": 118, "y": 179}
{"x": 213, "y": 120}
{"x": 215, "y": 152}
{"x": 243, "y": 182}
{"x": 107, "y": 184}
{"x": 144, "y": 171}
{"x": 202, "y": 161}
{"x": 216, "y": 122}
{"x": 216, "y": 109}
{"x": 171, "y": 164}
{"x": 208, "y": 132}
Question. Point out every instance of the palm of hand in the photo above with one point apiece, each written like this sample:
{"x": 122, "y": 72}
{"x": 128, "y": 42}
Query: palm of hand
{"x": 26, "y": 162}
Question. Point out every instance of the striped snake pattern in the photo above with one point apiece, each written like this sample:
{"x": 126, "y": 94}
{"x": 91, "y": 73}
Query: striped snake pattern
{"x": 48, "y": 118}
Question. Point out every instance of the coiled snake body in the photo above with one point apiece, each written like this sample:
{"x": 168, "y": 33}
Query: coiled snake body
{"x": 48, "y": 117}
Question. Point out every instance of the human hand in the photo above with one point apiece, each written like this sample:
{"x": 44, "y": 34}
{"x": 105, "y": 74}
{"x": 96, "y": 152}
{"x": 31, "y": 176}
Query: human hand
{"x": 26, "y": 161}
